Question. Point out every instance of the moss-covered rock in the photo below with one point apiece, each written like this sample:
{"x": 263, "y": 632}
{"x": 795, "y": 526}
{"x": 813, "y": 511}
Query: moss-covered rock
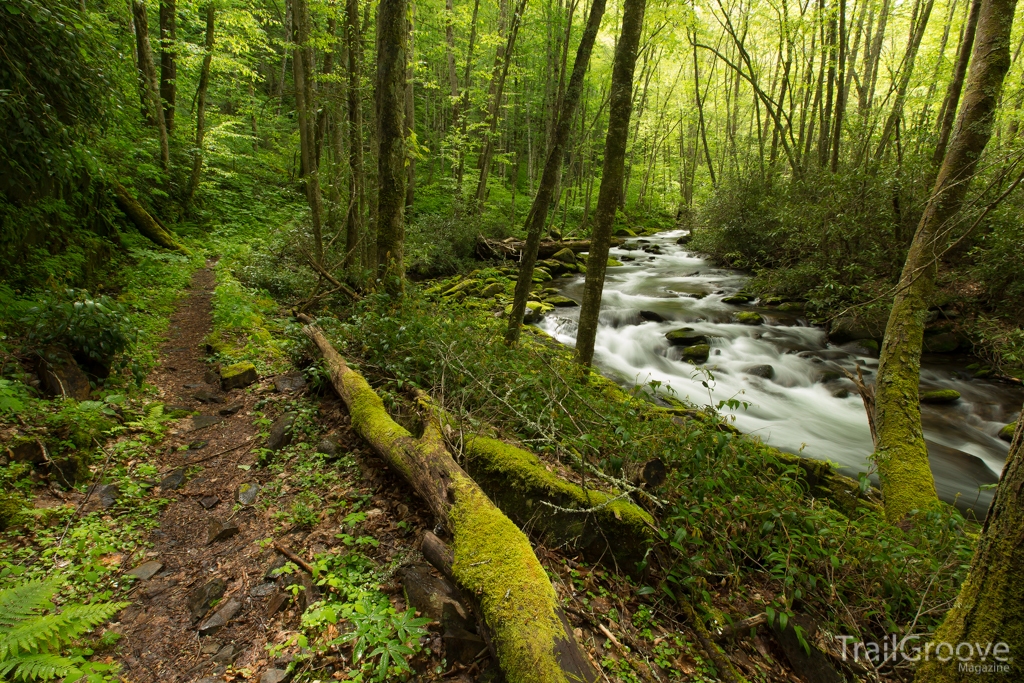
{"x": 561, "y": 301}
{"x": 791, "y": 307}
{"x": 940, "y": 396}
{"x": 624, "y": 232}
{"x": 492, "y": 289}
{"x": 466, "y": 285}
{"x": 698, "y": 353}
{"x": 535, "y": 310}
{"x": 736, "y": 299}
{"x": 11, "y": 508}
{"x": 1006, "y": 433}
{"x": 541, "y": 275}
{"x": 946, "y": 342}
{"x": 565, "y": 255}
{"x": 749, "y": 318}
{"x": 238, "y": 375}
{"x": 612, "y": 263}
{"x": 686, "y": 336}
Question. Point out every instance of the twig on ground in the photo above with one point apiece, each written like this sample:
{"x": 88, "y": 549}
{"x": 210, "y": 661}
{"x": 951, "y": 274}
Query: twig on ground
{"x": 293, "y": 557}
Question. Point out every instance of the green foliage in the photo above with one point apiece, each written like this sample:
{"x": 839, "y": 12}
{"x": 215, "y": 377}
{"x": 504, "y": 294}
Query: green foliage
{"x": 97, "y": 330}
{"x": 33, "y": 634}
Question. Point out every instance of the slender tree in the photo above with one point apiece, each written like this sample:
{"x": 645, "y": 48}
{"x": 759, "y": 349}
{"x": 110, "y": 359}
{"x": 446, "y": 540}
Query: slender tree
{"x": 302, "y": 68}
{"x": 619, "y": 112}
{"x": 901, "y": 454}
{"x": 390, "y": 110}
{"x": 537, "y": 218}
{"x": 168, "y": 60}
{"x": 356, "y": 178}
{"x": 204, "y": 83}
{"x": 148, "y": 78}
{"x": 947, "y": 114}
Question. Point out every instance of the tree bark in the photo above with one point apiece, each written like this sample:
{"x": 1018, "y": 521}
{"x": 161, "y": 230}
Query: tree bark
{"x": 620, "y": 109}
{"x": 148, "y": 74}
{"x": 453, "y": 78}
{"x": 464, "y": 107}
{"x": 700, "y": 115}
{"x": 491, "y": 557}
{"x": 145, "y": 222}
{"x": 537, "y": 217}
{"x": 837, "y": 125}
{"x": 410, "y": 116}
{"x": 357, "y": 177}
{"x": 168, "y": 57}
{"x": 302, "y": 67}
{"x": 204, "y": 82}
{"x": 391, "y": 47}
{"x": 956, "y": 83}
{"x": 989, "y": 607}
{"x": 902, "y": 457}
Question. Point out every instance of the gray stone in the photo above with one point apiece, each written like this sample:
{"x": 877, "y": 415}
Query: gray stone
{"x": 206, "y": 396}
{"x": 200, "y": 597}
{"x": 275, "y": 567}
{"x": 275, "y": 676}
{"x": 263, "y": 590}
{"x": 225, "y": 655}
{"x": 209, "y": 502}
{"x": 220, "y": 530}
{"x": 281, "y": 432}
{"x": 246, "y": 493}
{"x": 292, "y": 383}
{"x": 174, "y": 480}
{"x": 231, "y": 409}
{"x": 211, "y": 648}
{"x": 220, "y": 618}
{"x": 651, "y": 316}
{"x": 211, "y": 679}
{"x": 328, "y": 447}
{"x": 765, "y": 371}
{"x": 204, "y": 421}
{"x": 212, "y": 376}
{"x": 107, "y": 494}
{"x": 146, "y": 570}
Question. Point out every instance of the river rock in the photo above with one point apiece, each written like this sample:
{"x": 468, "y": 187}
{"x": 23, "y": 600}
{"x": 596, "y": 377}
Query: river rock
{"x": 736, "y": 299}
{"x": 59, "y": 375}
{"x": 493, "y": 289}
{"x": 612, "y": 263}
{"x": 685, "y": 336}
{"x": 624, "y": 232}
{"x": 173, "y": 481}
{"x": 685, "y": 239}
{"x": 698, "y": 353}
{"x": 651, "y": 316}
{"x": 220, "y": 618}
{"x": 200, "y": 597}
{"x": 1006, "y": 433}
{"x": 146, "y": 570}
{"x": 246, "y": 493}
{"x": 281, "y": 432}
{"x": 791, "y": 307}
{"x": 564, "y": 255}
{"x": 946, "y": 342}
{"x": 851, "y": 328}
{"x": 749, "y": 318}
{"x": 238, "y": 375}
{"x": 765, "y": 371}
{"x": 940, "y": 396}
{"x": 559, "y": 301}
{"x": 464, "y": 286}
{"x": 220, "y": 530}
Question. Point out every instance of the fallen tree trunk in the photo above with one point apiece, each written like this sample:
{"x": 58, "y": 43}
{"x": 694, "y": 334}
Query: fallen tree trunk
{"x": 146, "y": 223}
{"x": 491, "y": 557}
{"x": 513, "y": 248}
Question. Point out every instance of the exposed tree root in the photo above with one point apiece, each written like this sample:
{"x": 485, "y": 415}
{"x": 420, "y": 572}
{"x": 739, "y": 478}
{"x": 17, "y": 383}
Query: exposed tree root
{"x": 491, "y": 557}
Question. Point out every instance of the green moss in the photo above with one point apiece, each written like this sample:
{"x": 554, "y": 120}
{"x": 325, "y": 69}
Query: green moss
{"x": 749, "y": 318}
{"x": 236, "y": 369}
{"x": 1006, "y": 433}
{"x": 940, "y": 396}
{"x": 494, "y": 560}
{"x": 11, "y": 508}
{"x": 698, "y": 353}
{"x": 612, "y": 263}
{"x": 463, "y": 286}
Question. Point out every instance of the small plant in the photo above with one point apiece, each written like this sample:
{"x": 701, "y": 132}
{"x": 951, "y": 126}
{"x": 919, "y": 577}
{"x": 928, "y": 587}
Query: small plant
{"x": 32, "y": 634}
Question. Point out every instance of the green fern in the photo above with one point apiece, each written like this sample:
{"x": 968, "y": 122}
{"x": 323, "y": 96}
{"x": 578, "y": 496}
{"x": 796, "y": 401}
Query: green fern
{"x": 32, "y": 634}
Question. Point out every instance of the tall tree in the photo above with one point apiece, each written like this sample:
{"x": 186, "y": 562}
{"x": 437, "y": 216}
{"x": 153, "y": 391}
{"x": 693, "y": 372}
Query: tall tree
{"x": 947, "y": 114}
{"x": 204, "y": 83}
{"x": 168, "y": 59}
{"x": 901, "y": 454}
{"x": 619, "y": 112}
{"x": 537, "y": 218}
{"x": 356, "y": 178}
{"x": 148, "y": 78}
{"x": 302, "y": 68}
{"x": 410, "y": 115}
{"x": 390, "y": 114}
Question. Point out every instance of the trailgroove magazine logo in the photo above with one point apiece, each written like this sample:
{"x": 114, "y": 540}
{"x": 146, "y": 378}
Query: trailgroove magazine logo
{"x": 973, "y": 658}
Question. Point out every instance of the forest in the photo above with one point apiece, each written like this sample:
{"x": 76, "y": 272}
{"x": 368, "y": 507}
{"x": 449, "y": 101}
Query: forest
{"x": 541, "y": 341}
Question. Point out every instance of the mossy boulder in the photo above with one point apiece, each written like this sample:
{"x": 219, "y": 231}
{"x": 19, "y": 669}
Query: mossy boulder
{"x": 686, "y": 336}
{"x": 238, "y": 375}
{"x": 624, "y": 232}
{"x": 1006, "y": 433}
{"x": 492, "y": 289}
{"x": 749, "y": 318}
{"x": 736, "y": 299}
{"x": 465, "y": 286}
{"x": 792, "y": 307}
{"x": 612, "y": 263}
{"x": 698, "y": 353}
{"x": 940, "y": 396}
{"x": 11, "y": 508}
{"x": 565, "y": 255}
{"x": 541, "y": 275}
{"x": 685, "y": 239}
{"x": 561, "y": 301}
{"x": 946, "y": 342}
{"x": 535, "y": 310}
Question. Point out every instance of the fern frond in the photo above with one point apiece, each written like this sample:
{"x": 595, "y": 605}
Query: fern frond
{"x": 54, "y": 630}
{"x": 39, "y": 667}
{"x": 22, "y": 601}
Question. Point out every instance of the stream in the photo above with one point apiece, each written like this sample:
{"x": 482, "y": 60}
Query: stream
{"x": 798, "y": 404}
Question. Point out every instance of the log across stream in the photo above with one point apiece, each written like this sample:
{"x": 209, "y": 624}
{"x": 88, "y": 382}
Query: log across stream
{"x": 783, "y": 369}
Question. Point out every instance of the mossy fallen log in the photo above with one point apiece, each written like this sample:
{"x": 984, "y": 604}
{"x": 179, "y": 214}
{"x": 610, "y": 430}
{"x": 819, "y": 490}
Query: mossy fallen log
{"x": 144, "y": 222}
{"x": 513, "y": 249}
{"x": 492, "y": 558}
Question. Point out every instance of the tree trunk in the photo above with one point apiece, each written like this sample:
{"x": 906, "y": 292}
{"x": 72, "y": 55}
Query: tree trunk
{"x": 837, "y": 125}
{"x": 410, "y": 116}
{"x": 902, "y": 457}
{"x": 611, "y": 175}
{"x": 495, "y": 108}
{"x": 168, "y": 65}
{"x": 956, "y": 83}
{"x": 491, "y": 557}
{"x": 204, "y": 82}
{"x": 453, "y": 78}
{"x": 536, "y": 219}
{"x": 302, "y": 63}
{"x": 391, "y": 46}
{"x": 464, "y": 107}
{"x": 148, "y": 73}
{"x": 700, "y": 115}
{"x": 145, "y": 222}
{"x": 357, "y": 178}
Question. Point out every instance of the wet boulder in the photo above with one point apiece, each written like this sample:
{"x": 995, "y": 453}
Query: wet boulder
{"x": 565, "y": 255}
{"x": 492, "y": 289}
{"x": 853, "y": 328}
{"x": 764, "y": 371}
{"x": 698, "y": 353}
{"x": 686, "y": 336}
{"x": 1006, "y": 433}
{"x": 561, "y": 301}
{"x": 651, "y": 317}
{"x": 945, "y": 342}
{"x": 612, "y": 263}
{"x": 736, "y": 299}
{"x": 749, "y": 318}
{"x": 940, "y": 396}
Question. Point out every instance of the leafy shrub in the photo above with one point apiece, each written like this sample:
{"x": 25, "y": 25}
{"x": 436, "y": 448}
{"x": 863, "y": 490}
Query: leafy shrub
{"x": 33, "y": 634}
{"x": 96, "y": 330}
